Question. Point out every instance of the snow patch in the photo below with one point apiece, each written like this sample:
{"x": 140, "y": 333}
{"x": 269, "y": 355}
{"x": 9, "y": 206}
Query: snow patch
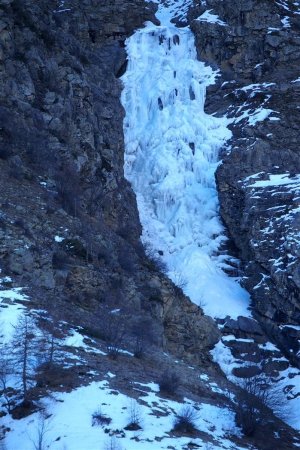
{"x": 207, "y": 16}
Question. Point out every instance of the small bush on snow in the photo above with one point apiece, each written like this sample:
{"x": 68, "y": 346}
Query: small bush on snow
{"x": 98, "y": 418}
{"x": 134, "y": 417}
{"x": 185, "y": 420}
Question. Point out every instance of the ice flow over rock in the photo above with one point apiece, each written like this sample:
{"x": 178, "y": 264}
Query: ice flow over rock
{"x": 171, "y": 156}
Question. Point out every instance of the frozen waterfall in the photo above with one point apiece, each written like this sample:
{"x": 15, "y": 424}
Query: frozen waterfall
{"x": 171, "y": 156}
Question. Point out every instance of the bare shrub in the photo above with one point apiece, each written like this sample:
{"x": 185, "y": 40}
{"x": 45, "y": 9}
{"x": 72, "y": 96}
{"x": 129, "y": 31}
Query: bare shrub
{"x": 169, "y": 382}
{"x": 179, "y": 279}
{"x": 155, "y": 263}
{"x": 112, "y": 444}
{"x": 134, "y": 417}
{"x": 100, "y": 419}
{"x": 114, "y": 332}
{"x": 259, "y": 394}
{"x": 142, "y": 331}
{"x": 185, "y": 420}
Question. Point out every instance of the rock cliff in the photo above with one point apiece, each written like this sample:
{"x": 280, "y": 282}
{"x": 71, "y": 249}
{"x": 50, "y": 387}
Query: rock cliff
{"x": 256, "y": 45}
{"x": 69, "y": 225}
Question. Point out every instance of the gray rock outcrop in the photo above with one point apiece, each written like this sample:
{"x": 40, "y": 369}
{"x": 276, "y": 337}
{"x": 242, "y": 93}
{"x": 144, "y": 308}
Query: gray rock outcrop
{"x": 69, "y": 224}
{"x": 256, "y": 45}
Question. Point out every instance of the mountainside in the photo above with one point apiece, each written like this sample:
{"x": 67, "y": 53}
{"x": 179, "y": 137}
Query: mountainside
{"x": 257, "y": 48}
{"x": 97, "y": 272}
{"x": 62, "y": 149}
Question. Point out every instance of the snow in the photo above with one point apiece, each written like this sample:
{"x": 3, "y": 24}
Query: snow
{"x": 207, "y": 16}
{"x": 222, "y": 355}
{"x": 70, "y": 431}
{"x": 256, "y": 87}
{"x": 288, "y": 381}
{"x": 283, "y": 4}
{"x": 272, "y": 29}
{"x": 58, "y": 239}
{"x": 171, "y": 156}
{"x": 171, "y": 9}
{"x": 10, "y": 311}
{"x": 286, "y": 22}
{"x": 5, "y": 280}
{"x": 295, "y": 327}
{"x": 277, "y": 180}
{"x": 204, "y": 377}
{"x": 13, "y": 294}
{"x": 76, "y": 339}
{"x": 253, "y": 116}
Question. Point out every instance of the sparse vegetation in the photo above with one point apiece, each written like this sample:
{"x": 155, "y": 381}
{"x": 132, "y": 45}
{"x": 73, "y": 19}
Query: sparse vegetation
{"x": 100, "y": 419}
{"x": 114, "y": 332}
{"x": 155, "y": 262}
{"x": 24, "y": 351}
{"x": 258, "y": 395}
{"x": 142, "y": 331}
{"x": 169, "y": 382}
{"x": 112, "y": 444}
{"x": 134, "y": 417}
{"x": 185, "y": 420}
{"x": 39, "y": 441}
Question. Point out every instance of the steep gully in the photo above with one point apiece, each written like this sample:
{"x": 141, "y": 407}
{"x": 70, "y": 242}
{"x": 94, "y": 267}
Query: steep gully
{"x": 171, "y": 157}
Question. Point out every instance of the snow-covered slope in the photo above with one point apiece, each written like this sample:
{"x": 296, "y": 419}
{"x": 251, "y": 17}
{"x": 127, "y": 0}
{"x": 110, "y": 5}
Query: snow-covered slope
{"x": 76, "y": 431}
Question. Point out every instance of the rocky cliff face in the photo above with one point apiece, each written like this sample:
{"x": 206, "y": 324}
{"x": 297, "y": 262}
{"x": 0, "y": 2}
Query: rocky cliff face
{"x": 257, "y": 47}
{"x": 69, "y": 225}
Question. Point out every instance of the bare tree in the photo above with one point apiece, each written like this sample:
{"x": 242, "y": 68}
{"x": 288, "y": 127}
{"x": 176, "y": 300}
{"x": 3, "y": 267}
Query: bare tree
{"x": 88, "y": 234}
{"x": 23, "y": 355}
{"x": 40, "y": 441}
{"x": 50, "y": 341}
